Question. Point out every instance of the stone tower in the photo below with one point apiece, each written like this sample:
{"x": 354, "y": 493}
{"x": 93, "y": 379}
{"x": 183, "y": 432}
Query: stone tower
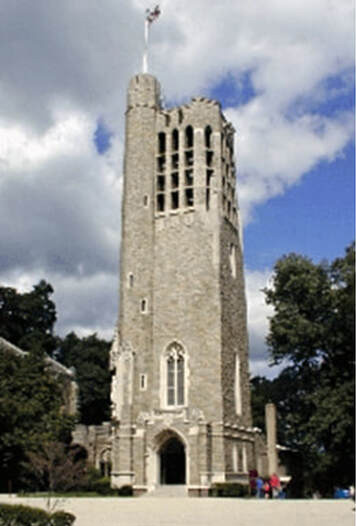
{"x": 180, "y": 384}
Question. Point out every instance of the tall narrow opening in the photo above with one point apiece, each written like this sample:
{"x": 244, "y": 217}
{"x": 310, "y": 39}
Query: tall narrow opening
{"x": 208, "y": 132}
{"x": 175, "y": 139}
{"x": 161, "y": 142}
{"x": 172, "y": 462}
{"x": 189, "y": 137}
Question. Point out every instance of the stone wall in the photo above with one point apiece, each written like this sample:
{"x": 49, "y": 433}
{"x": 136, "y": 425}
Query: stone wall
{"x": 182, "y": 285}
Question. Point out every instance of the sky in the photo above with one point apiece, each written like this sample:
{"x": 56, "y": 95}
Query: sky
{"x": 284, "y": 74}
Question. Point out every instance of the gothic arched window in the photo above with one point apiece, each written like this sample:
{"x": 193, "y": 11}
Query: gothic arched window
{"x": 189, "y": 137}
{"x": 175, "y": 369}
{"x": 161, "y": 142}
{"x": 207, "y": 133}
{"x": 175, "y": 139}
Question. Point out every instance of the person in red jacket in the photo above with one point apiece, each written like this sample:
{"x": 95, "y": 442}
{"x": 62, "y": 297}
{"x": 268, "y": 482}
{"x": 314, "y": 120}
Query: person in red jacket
{"x": 275, "y": 485}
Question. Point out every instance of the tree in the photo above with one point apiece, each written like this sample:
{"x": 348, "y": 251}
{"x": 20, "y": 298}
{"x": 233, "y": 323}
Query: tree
{"x": 30, "y": 411}
{"x": 27, "y": 319}
{"x": 90, "y": 358}
{"x": 312, "y": 331}
{"x": 56, "y": 467}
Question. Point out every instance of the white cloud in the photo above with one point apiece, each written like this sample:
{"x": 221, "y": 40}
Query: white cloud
{"x": 257, "y": 310}
{"x": 59, "y": 199}
{"x": 275, "y": 151}
{"x": 65, "y": 65}
{"x": 21, "y": 148}
{"x": 85, "y": 304}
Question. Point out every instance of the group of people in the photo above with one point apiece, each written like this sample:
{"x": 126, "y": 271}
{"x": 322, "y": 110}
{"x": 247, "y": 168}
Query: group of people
{"x": 266, "y": 488}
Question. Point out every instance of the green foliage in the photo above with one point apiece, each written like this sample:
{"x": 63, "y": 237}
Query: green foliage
{"x": 125, "y": 491}
{"x": 56, "y": 467}
{"x": 102, "y": 486}
{"x": 31, "y": 403}
{"x": 62, "y": 518}
{"x": 313, "y": 331}
{"x": 90, "y": 358}
{"x": 228, "y": 489}
{"x": 30, "y": 410}
{"x": 27, "y": 319}
{"x": 96, "y": 484}
{"x": 93, "y": 475}
{"x": 262, "y": 392}
{"x": 19, "y": 515}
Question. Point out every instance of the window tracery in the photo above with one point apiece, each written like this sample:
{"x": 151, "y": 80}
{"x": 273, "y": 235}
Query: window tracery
{"x": 175, "y": 372}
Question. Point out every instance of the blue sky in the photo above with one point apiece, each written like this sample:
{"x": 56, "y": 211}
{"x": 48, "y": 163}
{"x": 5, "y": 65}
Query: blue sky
{"x": 314, "y": 217}
{"x": 284, "y": 74}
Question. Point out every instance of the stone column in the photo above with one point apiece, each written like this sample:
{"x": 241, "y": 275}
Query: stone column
{"x": 271, "y": 430}
{"x": 218, "y": 453}
{"x": 193, "y": 477}
{"x": 204, "y": 464}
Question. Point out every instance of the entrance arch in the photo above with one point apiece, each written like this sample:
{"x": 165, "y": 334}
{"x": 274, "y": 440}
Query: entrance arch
{"x": 172, "y": 460}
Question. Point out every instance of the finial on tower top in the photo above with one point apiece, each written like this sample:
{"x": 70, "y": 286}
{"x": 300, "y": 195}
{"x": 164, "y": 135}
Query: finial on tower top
{"x": 151, "y": 16}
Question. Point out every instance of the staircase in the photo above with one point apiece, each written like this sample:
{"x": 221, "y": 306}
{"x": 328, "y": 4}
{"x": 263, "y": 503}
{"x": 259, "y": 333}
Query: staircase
{"x": 169, "y": 490}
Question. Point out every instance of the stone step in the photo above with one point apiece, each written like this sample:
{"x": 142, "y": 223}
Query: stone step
{"x": 169, "y": 490}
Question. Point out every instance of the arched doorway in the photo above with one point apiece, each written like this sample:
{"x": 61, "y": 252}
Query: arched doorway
{"x": 172, "y": 461}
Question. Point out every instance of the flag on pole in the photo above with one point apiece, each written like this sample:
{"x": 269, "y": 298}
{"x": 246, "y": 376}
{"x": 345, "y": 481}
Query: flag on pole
{"x": 152, "y": 14}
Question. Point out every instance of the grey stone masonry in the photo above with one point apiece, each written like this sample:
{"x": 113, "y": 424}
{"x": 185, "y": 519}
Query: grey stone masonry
{"x": 180, "y": 389}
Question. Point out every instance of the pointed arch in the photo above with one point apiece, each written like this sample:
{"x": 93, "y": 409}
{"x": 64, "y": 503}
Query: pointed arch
{"x": 207, "y": 134}
{"x": 174, "y": 366}
{"x": 175, "y": 139}
{"x": 189, "y": 136}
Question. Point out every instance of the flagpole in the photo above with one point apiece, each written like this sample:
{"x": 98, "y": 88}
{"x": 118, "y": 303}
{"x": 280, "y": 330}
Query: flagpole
{"x": 151, "y": 16}
{"x": 145, "y": 52}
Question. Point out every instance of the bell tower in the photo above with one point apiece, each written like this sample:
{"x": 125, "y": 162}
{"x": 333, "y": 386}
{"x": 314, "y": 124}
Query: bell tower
{"x": 180, "y": 385}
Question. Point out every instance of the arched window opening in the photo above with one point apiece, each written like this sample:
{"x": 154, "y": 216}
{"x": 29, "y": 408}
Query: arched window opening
{"x": 161, "y": 142}
{"x": 209, "y": 158}
{"x": 175, "y": 375}
{"x": 189, "y": 137}
{"x": 207, "y": 133}
{"x": 144, "y": 306}
{"x": 175, "y": 139}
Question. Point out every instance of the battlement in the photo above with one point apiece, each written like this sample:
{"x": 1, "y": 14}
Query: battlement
{"x": 144, "y": 91}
